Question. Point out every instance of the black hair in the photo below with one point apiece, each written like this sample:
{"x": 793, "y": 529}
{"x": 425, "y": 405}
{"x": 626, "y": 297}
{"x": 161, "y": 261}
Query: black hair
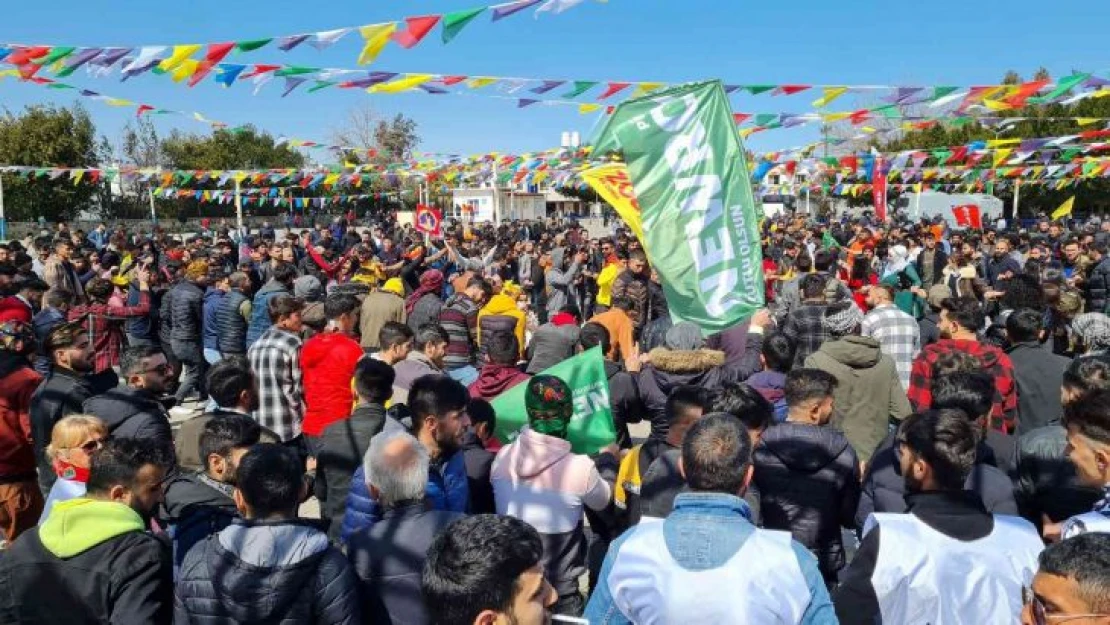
{"x": 285, "y": 273}
{"x": 1024, "y": 325}
{"x": 481, "y": 411}
{"x": 502, "y": 348}
{"x": 778, "y": 352}
{"x": 812, "y": 286}
{"x": 338, "y": 304}
{"x": 971, "y": 392}
{"x": 55, "y": 298}
{"x": 118, "y": 462}
{"x": 131, "y": 360}
{"x": 946, "y": 441}
{"x": 475, "y": 565}
{"x": 270, "y": 478}
{"x": 374, "y": 380}
{"x": 33, "y": 284}
{"x": 1086, "y": 560}
{"x": 481, "y": 283}
{"x": 283, "y": 306}
{"x": 803, "y": 263}
{"x": 965, "y": 311}
{"x": 435, "y": 395}
{"x": 1087, "y": 374}
{"x": 593, "y": 335}
{"x": 227, "y": 379}
{"x": 1023, "y": 291}
{"x": 224, "y": 433}
{"x": 716, "y": 454}
{"x": 804, "y": 385}
{"x": 1091, "y": 415}
{"x": 747, "y": 404}
{"x": 430, "y": 334}
{"x": 684, "y": 398}
{"x": 393, "y": 334}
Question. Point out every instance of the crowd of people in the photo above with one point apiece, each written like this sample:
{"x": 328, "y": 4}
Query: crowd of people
{"x": 915, "y": 430}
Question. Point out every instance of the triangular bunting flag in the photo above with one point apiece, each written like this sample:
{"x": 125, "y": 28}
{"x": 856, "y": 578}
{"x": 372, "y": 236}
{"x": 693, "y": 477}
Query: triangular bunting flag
{"x": 376, "y": 36}
{"x": 501, "y": 11}
{"x": 417, "y": 29}
{"x": 830, "y": 94}
{"x": 580, "y": 87}
{"x": 613, "y": 88}
{"x": 453, "y": 23}
{"x": 404, "y": 84}
{"x": 252, "y": 45}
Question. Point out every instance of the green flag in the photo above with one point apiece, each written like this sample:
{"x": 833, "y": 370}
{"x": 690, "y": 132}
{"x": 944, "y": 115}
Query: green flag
{"x": 453, "y": 23}
{"x": 591, "y": 427}
{"x": 701, "y": 225}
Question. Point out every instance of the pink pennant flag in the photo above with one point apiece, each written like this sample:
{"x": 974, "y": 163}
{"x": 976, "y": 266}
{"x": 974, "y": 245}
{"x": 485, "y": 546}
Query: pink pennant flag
{"x": 417, "y": 29}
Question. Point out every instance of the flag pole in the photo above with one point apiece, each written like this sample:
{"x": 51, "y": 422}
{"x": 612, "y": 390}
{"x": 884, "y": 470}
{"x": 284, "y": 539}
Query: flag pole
{"x": 1017, "y": 197}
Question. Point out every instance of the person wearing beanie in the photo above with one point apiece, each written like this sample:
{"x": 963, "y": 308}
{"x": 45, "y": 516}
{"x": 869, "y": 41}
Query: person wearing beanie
{"x": 868, "y": 394}
{"x": 538, "y": 473}
{"x": 381, "y": 306}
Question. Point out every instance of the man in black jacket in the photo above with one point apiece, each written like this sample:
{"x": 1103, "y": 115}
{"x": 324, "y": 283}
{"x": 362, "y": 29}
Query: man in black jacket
{"x": 479, "y": 447}
{"x": 133, "y": 411}
{"x": 269, "y": 566}
{"x": 1096, "y": 285}
{"x": 388, "y": 558}
{"x": 946, "y": 533}
{"x": 808, "y": 475}
{"x": 930, "y": 262}
{"x": 344, "y": 443}
{"x": 624, "y": 390}
{"x": 1037, "y": 371}
{"x": 93, "y": 561}
{"x": 199, "y": 503}
{"x": 187, "y": 311}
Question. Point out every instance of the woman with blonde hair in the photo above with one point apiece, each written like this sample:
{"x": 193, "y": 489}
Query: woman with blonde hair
{"x": 72, "y": 442}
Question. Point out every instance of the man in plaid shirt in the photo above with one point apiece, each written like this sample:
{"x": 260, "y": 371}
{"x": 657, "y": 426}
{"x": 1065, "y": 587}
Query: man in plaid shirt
{"x": 897, "y": 333}
{"x": 803, "y": 324}
{"x": 104, "y": 321}
{"x": 960, "y": 320}
{"x": 276, "y": 360}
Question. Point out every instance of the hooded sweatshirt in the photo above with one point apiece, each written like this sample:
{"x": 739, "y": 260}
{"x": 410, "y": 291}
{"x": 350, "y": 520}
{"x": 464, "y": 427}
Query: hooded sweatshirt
{"x": 495, "y": 379}
{"x": 537, "y": 479}
{"x": 90, "y": 562}
{"x": 500, "y": 313}
{"x": 772, "y": 386}
{"x": 267, "y": 572}
{"x": 868, "y": 394}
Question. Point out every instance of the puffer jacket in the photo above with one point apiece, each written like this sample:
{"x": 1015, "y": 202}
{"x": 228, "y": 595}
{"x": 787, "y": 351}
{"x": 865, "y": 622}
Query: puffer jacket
{"x": 809, "y": 483}
{"x": 195, "y": 507}
{"x": 1096, "y": 289}
{"x": 447, "y": 489}
{"x": 187, "y": 311}
{"x": 231, "y": 327}
{"x": 868, "y": 394}
{"x": 133, "y": 413}
{"x": 1046, "y": 482}
{"x": 709, "y": 369}
{"x": 213, "y": 302}
{"x": 500, "y": 315}
{"x": 339, "y": 455}
{"x": 260, "y": 310}
{"x": 266, "y": 572}
{"x": 426, "y": 311}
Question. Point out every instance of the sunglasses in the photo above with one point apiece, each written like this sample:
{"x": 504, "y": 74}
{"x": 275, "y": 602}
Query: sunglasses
{"x": 1040, "y": 612}
{"x": 91, "y": 446}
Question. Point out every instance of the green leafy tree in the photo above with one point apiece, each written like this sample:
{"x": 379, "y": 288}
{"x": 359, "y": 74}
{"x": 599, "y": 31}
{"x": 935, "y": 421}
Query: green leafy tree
{"x": 237, "y": 148}
{"x": 47, "y": 136}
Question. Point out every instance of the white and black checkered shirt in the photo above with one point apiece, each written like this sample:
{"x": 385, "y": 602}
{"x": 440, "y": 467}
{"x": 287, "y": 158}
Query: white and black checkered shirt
{"x": 898, "y": 335}
{"x": 276, "y": 360}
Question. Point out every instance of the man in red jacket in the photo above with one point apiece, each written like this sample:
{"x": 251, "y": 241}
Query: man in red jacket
{"x": 25, "y": 303}
{"x": 20, "y": 497}
{"x": 328, "y": 362}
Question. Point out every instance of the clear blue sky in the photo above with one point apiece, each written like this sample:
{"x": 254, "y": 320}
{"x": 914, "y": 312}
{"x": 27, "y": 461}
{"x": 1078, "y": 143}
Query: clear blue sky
{"x": 851, "y": 42}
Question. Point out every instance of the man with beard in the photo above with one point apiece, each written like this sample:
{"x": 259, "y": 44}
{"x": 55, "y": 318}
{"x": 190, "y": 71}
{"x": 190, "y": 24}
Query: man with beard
{"x": 92, "y": 560}
{"x": 20, "y": 499}
{"x": 440, "y": 423}
{"x": 931, "y": 564}
{"x": 134, "y": 410}
{"x": 1002, "y": 267}
{"x": 199, "y": 503}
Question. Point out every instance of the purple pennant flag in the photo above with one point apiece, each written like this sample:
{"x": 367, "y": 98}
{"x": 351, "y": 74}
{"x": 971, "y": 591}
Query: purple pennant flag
{"x": 523, "y": 102}
{"x": 88, "y": 94}
{"x": 291, "y": 83}
{"x": 286, "y": 44}
{"x": 110, "y": 56}
{"x": 731, "y": 88}
{"x": 83, "y": 56}
{"x": 789, "y": 121}
{"x": 901, "y": 94}
{"x": 547, "y": 85}
{"x": 502, "y": 11}
{"x": 1029, "y": 145}
{"x": 1094, "y": 82}
{"x": 139, "y": 69}
{"x": 432, "y": 89}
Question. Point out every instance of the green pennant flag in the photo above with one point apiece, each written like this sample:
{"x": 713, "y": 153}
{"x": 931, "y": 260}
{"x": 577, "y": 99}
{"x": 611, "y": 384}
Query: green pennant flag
{"x": 888, "y": 111}
{"x": 941, "y": 155}
{"x": 321, "y": 84}
{"x": 591, "y": 427}
{"x": 1063, "y": 86}
{"x": 758, "y": 89}
{"x": 1069, "y": 153}
{"x": 294, "y": 70}
{"x": 940, "y": 92}
{"x": 59, "y": 85}
{"x": 762, "y": 119}
{"x": 453, "y": 23}
{"x": 55, "y": 54}
{"x": 690, "y": 174}
{"x": 961, "y": 121}
{"x": 580, "y": 87}
{"x": 252, "y": 45}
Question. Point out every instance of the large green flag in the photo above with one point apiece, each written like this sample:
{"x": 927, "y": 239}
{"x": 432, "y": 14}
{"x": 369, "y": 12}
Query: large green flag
{"x": 700, "y": 220}
{"x": 591, "y": 427}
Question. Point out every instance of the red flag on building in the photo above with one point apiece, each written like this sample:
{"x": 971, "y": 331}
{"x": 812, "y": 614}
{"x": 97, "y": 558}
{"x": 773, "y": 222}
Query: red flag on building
{"x": 968, "y": 216}
{"x": 429, "y": 220}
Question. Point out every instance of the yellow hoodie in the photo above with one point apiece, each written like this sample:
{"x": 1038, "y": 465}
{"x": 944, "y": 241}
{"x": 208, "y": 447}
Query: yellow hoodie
{"x": 502, "y": 305}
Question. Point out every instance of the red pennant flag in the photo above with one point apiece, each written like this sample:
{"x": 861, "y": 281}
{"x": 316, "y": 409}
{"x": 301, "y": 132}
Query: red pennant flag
{"x": 453, "y": 80}
{"x": 609, "y": 109}
{"x": 1094, "y": 134}
{"x": 143, "y": 108}
{"x": 614, "y": 87}
{"x": 791, "y": 167}
{"x": 790, "y": 89}
{"x": 22, "y": 56}
{"x": 959, "y": 154}
{"x": 418, "y": 28}
{"x": 260, "y": 69}
{"x": 860, "y": 116}
{"x": 849, "y": 162}
{"x": 1026, "y": 91}
{"x": 740, "y": 117}
{"x": 27, "y": 71}
{"x": 94, "y": 176}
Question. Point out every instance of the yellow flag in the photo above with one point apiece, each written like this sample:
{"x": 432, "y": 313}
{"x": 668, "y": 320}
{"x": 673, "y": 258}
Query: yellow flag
{"x": 180, "y": 53}
{"x": 1001, "y": 155}
{"x": 1087, "y": 121}
{"x": 1065, "y": 208}
{"x": 479, "y": 82}
{"x": 331, "y": 179}
{"x": 410, "y": 81}
{"x": 612, "y": 183}
{"x": 376, "y": 36}
{"x": 185, "y": 69}
{"x": 831, "y": 93}
{"x": 834, "y": 117}
{"x": 77, "y": 175}
{"x": 996, "y": 105}
{"x": 118, "y": 102}
{"x": 645, "y": 88}
{"x": 239, "y": 176}
{"x": 588, "y": 108}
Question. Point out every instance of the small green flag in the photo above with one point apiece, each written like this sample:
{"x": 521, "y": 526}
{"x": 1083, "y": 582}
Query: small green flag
{"x": 580, "y": 87}
{"x": 591, "y": 427}
{"x": 453, "y": 23}
{"x": 250, "y": 46}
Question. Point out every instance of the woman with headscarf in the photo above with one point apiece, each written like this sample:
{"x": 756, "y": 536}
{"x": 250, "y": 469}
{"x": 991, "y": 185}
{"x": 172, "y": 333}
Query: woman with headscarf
{"x": 426, "y": 302}
{"x": 1092, "y": 331}
{"x": 902, "y": 275}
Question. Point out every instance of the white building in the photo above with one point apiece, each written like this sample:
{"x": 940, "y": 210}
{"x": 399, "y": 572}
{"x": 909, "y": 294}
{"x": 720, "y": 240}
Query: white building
{"x": 488, "y": 205}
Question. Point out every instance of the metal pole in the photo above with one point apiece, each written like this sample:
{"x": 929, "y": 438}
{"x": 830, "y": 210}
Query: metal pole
{"x": 1017, "y": 197}
{"x": 238, "y": 207}
{"x": 3, "y": 221}
{"x": 153, "y": 214}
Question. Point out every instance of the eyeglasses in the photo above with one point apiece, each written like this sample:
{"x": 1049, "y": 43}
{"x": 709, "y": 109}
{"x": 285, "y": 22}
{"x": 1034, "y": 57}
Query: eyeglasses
{"x": 1040, "y": 612}
{"x": 92, "y": 445}
{"x": 162, "y": 368}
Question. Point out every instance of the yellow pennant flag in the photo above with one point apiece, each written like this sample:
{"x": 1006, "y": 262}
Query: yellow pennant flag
{"x": 746, "y": 132}
{"x": 331, "y": 179}
{"x": 834, "y": 117}
{"x": 1087, "y": 121}
{"x": 588, "y": 108}
{"x": 1001, "y": 155}
{"x": 1065, "y": 208}
{"x": 180, "y": 53}
{"x": 376, "y": 37}
{"x": 614, "y": 186}
{"x": 996, "y": 105}
{"x": 645, "y": 88}
{"x": 994, "y": 143}
{"x": 118, "y": 102}
{"x": 185, "y": 69}
{"x": 411, "y": 81}
{"x": 77, "y": 175}
{"x": 479, "y": 82}
{"x": 239, "y": 176}
{"x": 831, "y": 93}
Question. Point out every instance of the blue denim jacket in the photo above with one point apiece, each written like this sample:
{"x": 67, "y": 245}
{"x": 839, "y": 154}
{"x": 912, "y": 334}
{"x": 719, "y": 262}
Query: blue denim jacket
{"x": 724, "y": 525}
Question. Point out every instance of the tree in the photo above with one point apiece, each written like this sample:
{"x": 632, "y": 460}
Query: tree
{"x": 47, "y": 136}
{"x": 238, "y": 148}
{"x": 391, "y": 140}
{"x": 397, "y": 138}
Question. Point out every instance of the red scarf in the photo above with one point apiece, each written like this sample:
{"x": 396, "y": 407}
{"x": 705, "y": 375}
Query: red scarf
{"x": 72, "y": 472}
